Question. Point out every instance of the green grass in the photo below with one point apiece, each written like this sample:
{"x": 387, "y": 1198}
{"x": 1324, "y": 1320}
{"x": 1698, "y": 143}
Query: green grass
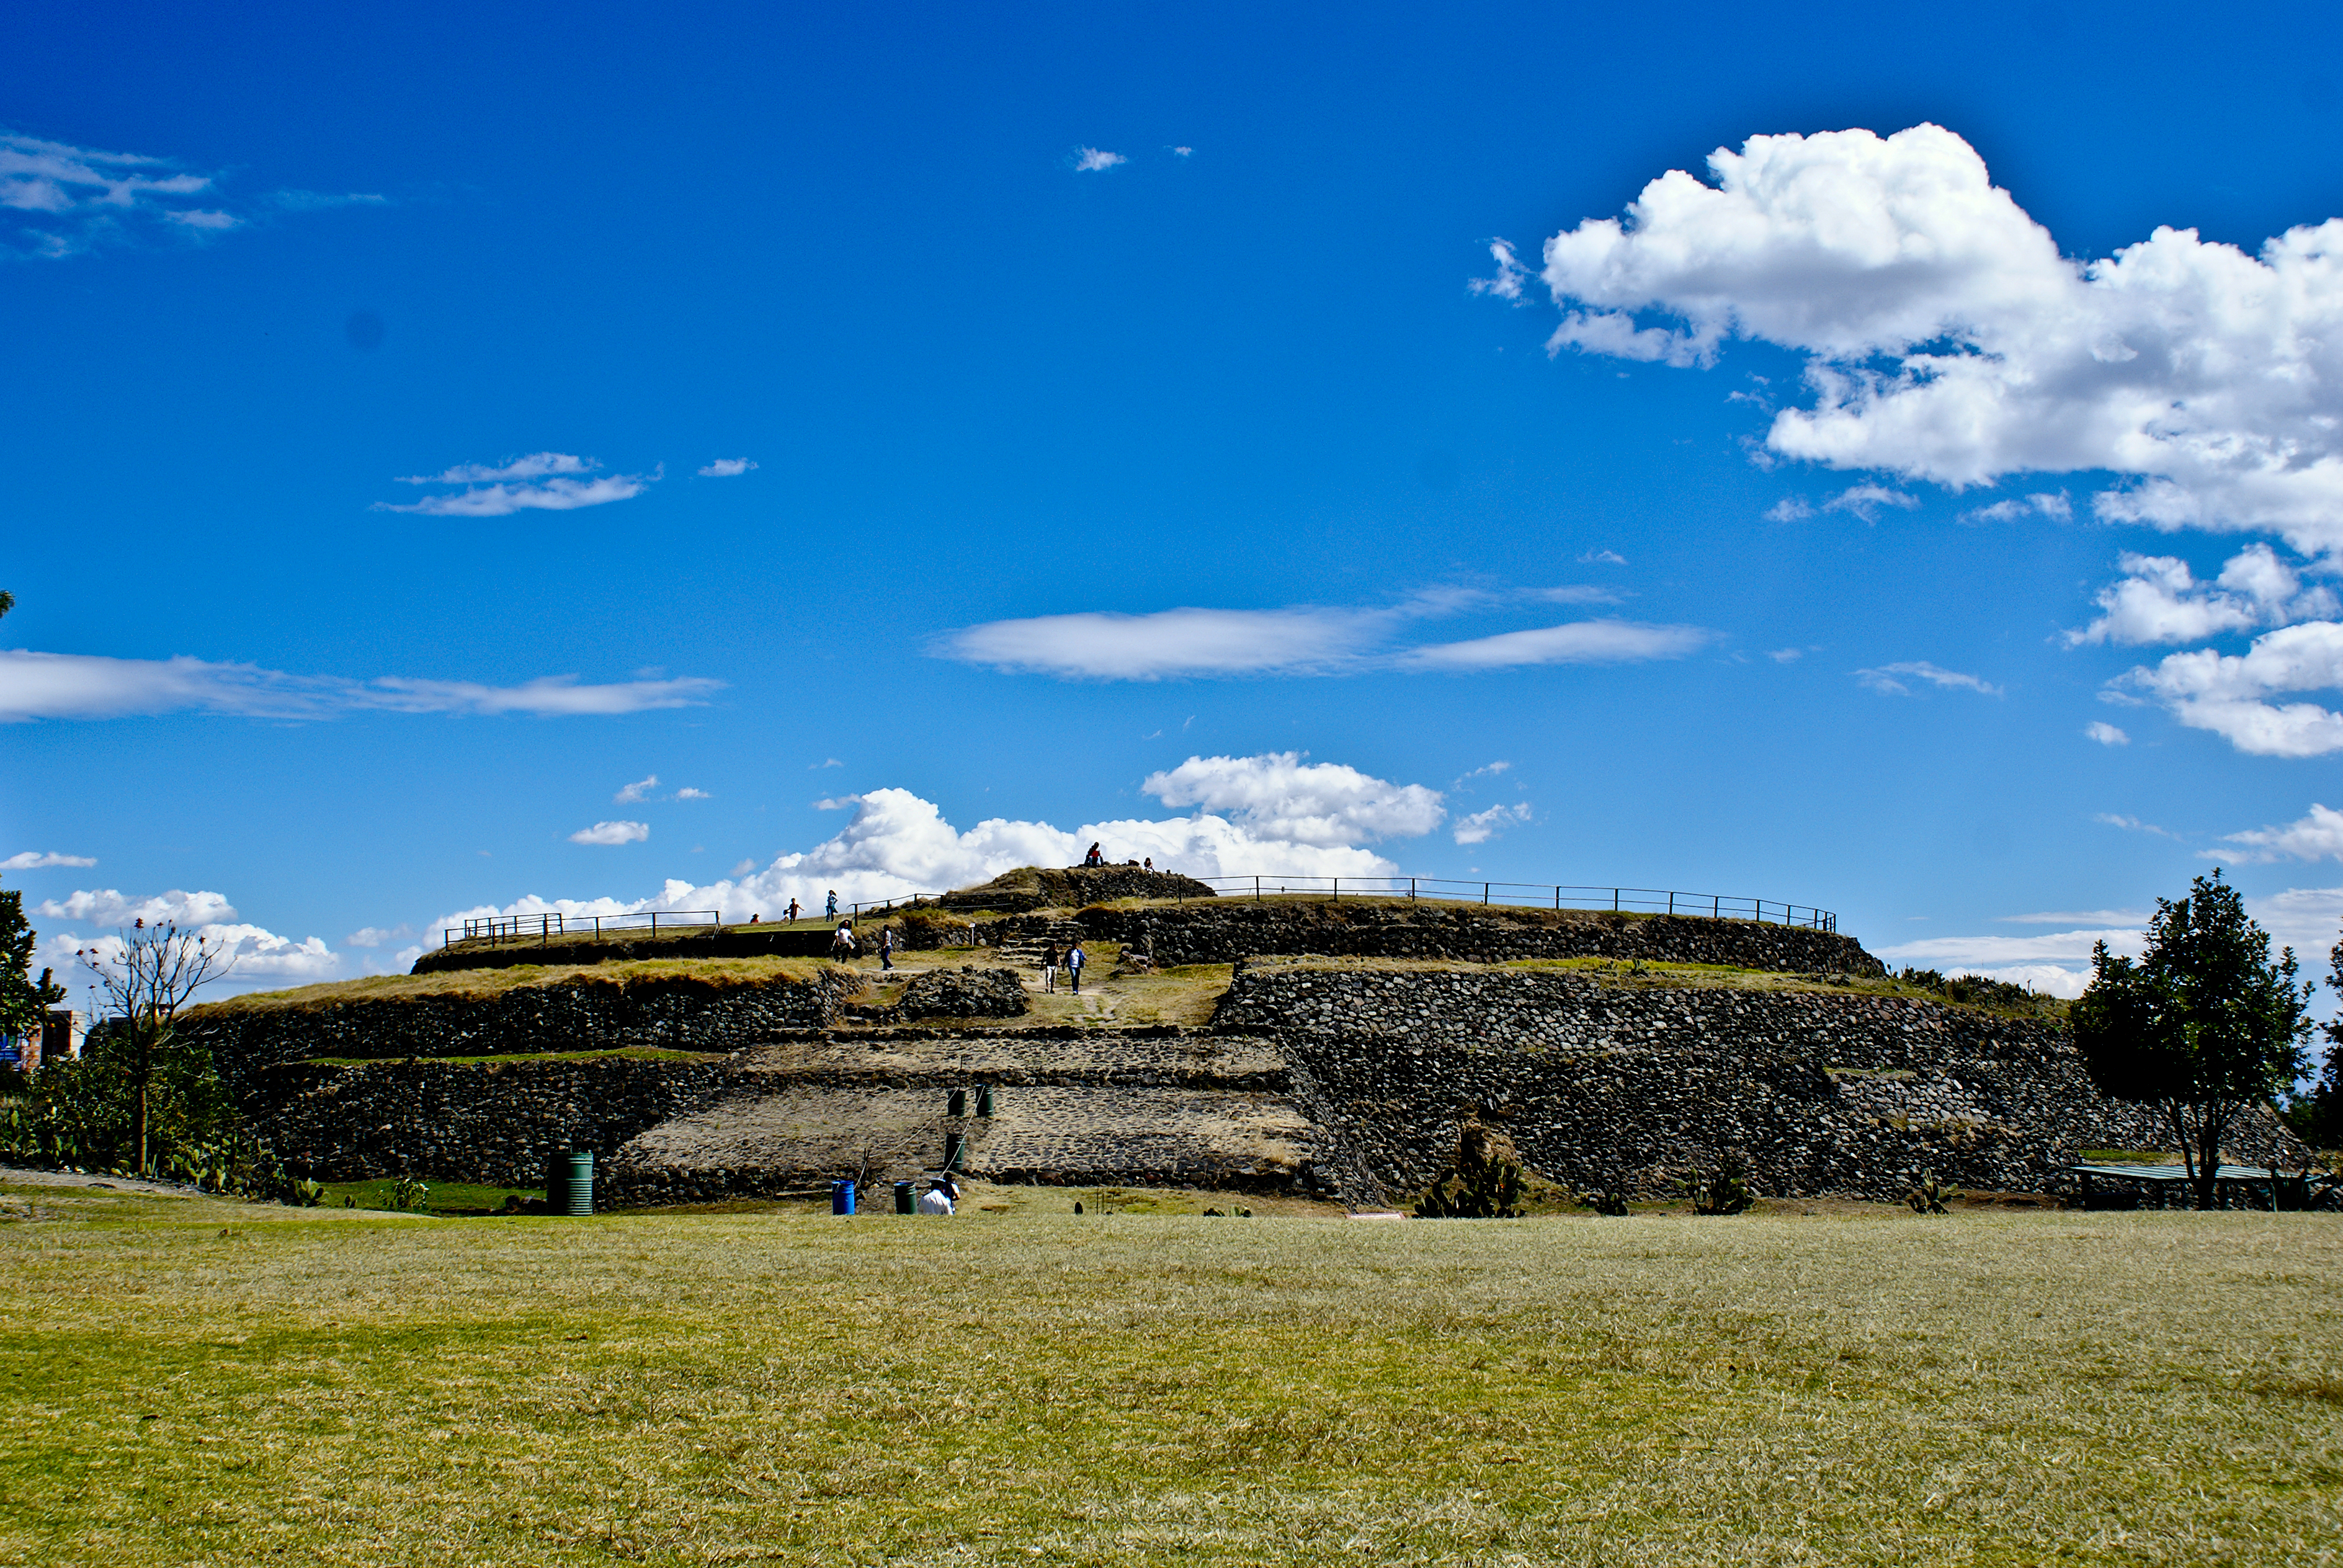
{"x": 490, "y": 983}
{"x": 447, "y": 1197}
{"x": 187, "y": 1381}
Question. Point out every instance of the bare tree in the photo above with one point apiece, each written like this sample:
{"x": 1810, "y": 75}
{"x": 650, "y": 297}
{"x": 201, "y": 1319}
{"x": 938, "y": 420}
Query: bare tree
{"x": 147, "y": 977}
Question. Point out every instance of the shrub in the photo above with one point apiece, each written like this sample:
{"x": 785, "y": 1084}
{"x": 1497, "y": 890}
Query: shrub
{"x": 1611, "y": 1199}
{"x": 1929, "y": 1196}
{"x": 1724, "y": 1191}
{"x": 1485, "y": 1183}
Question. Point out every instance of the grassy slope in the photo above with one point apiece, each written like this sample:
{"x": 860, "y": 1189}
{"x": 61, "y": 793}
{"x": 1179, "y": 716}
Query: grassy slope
{"x": 189, "y": 1382}
{"x": 480, "y": 983}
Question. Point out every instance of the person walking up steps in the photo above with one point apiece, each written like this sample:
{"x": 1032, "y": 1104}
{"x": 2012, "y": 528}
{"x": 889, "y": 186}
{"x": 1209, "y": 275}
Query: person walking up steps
{"x": 831, "y": 912}
{"x": 1074, "y": 962}
{"x": 1050, "y": 969}
{"x": 887, "y": 948}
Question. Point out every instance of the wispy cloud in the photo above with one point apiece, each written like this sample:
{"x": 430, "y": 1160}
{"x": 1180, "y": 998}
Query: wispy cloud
{"x": 1890, "y": 678}
{"x": 2134, "y": 825}
{"x": 2078, "y": 918}
{"x": 630, "y": 793}
{"x": 1577, "y": 642}
{"x": 2058, "y": 507}
{"x": 85, "y": 686}
{"x": 612, "y": 833}
{"x": 2106, "y": 734}
{"x": 1092, "y": 160}
{"x": 1483, "y": 826}
{"x": 1864, "y": 501}
{"x": 2317, "y": 836}
{"x": 725, "y": 468}
{"x": 1602, "y": 558}
{"x": 37, "y": 860}
{"x": 542, "y": 481}
{"x": 688, "y": 793}
{"x": 1789, "y": 509}
{"x": 1303, "y": 640}
{"x": 376, "y": 935}
{"x": 58, "y": 200}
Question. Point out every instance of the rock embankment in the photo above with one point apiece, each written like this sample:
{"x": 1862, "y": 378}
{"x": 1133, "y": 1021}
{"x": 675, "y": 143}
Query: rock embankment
{"x": 1819, "y": 1093}
{"x": 574, "y": 1012}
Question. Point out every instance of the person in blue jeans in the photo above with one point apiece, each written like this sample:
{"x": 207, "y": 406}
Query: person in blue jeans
{"x": 1074, "y": 962}
{"x": 831, "y": 912}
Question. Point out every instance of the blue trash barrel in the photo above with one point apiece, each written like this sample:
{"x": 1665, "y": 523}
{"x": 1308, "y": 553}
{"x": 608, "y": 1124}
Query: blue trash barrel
{"x": 841, "y": 1197}
{"x": 577, "y": 1198}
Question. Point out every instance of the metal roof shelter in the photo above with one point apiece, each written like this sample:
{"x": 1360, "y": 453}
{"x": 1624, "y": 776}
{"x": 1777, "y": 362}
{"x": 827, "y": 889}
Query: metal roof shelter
{"x": 2234, "y": 1186}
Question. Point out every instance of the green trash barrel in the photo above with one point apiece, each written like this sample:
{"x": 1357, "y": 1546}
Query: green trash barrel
{"x": 577, "y": 1190}
{"x": 955, "y": 1149}
{"x": 904, "y": 1203}
{"x": 556, "y": 1183}
{"x": 984, "y": 1100}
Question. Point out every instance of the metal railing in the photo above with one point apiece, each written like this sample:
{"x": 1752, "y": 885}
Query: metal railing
{"x": 517, "y": 927}
{"x": 1532, "y": 895}
{"x": 1436, "y": 889}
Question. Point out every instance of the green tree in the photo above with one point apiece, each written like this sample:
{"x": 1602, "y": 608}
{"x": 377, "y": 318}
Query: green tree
{"x": 22, "y": 999}
{"x": 2202, "y": 1027}
{"x": 148, "y": 974}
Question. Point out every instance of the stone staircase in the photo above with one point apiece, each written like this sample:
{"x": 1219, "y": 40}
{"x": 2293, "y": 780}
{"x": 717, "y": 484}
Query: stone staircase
{"x": 1025, "y": 951}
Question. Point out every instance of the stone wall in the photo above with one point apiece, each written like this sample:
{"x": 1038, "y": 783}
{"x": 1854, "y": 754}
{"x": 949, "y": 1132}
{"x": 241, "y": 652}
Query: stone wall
{"x": 588, "y": 1012}
{"x": 1819, "y": 1093}
{"x": 1231, "y": 928}
{"x": 495, "y": 1123}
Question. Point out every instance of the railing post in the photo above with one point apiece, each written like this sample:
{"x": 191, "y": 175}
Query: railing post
{"x": 1672, "y": 903}
{"x": 1411, "y": 890}
{"x": 1256, "y": 889}
{"x": 1484, "y": 893}
{"x": 1338, "y": 890}
{"x": 1614, "y": 900}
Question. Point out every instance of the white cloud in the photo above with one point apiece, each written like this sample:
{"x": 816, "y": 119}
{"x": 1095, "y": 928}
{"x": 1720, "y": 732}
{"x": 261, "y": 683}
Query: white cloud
{"x": 726, "y": 468}
{"x": 629, "y": 794}
{"x": 2106, "y": 734}
{"x": 2315, "y": 837}
{"x": 2079, "y": 917}
{"x": 1511, "y": 279}
{"x": 612, "y": 833}
{"x": 688, "y": 793}
{"x": 1483, "y": 826}
{"x": 36, "y": 860}
{"x": 535, "y": 466}
{"x": 2160, "y": 601}
{"x": 58, "y": 200}
{"x": 2058, "y": 964}
{"x": 2058, "y": 508}
{"x": 1885, "y": 680}
{"x": 1182, "y": 152}
{"x": 1575, "y": 593}
{"x": 1491, "y": 770}
{"x": 1864, "y": 501}
{"x": 1947, "y": 339}
{"x": 1603, "y": 641}
{"x": 1278, "y": 796}
{"x": 2134, "y": 825}
{"x": 1789, "y": 509}
{"x": 542, "y": 481}
{"x": 898, "y": 844}
{"x": 107, "y": 907}
{"x": 376, "y": 935}
{"x": 1091, "y": 160}
{"x": 827, "y": 762}
{"x": 1786, "y": 655}
{"x": 1171, "y": 642}
{"x": 1604, "y": 558}
{"x": 2226, "y": 693}
{"x": 87, "y": 685}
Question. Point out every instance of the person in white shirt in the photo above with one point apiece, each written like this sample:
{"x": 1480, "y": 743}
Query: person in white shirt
{"x": 1074, "y": 962}
{"x": 937, "y": 1198}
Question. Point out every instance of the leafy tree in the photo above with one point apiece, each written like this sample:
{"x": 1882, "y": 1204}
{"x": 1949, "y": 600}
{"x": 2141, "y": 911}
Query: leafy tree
{"x": 2317, "y": 1116}
{"x": 1485, "y": 1183}
{"x": 22, "y": 999}
{"x": 148, "y": 974}
{"x": 2204, "y": 1026}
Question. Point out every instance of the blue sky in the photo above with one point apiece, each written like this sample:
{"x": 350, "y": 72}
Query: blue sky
{"x": 1717, "y": 528}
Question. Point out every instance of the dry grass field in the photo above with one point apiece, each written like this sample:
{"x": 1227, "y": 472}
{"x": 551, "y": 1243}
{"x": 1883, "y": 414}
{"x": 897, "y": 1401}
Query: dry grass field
{"x": 195, "y": 1381}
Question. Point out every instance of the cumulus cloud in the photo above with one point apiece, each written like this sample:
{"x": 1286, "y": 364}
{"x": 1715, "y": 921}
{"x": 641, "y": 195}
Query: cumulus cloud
{"x": 629, "y": 793}
{"x": 2229, "y": 694}
{"x": 1947, "y": 339}
{"x": 2106, "y": 734}
{"x": 89, "y": 686}
{"x": 726, "y": 468}
{"x": 612, "y": 833}
{"x": 542, "y": 481}
{"x": 39, "y": 860}
{"x": 1269, "y": 816}
{"x": 107, "y": 907}
{"x": 1889, "y": 678}
{"x": 1483, "y": 826}
{"x": 2315, "y": 837}
{"x": 1306, "y": 640}
{"x": 2160, "y": 600}
{"x": 1278, "y": 796}
{"x": 1092, "y": 160}
{"x": 2058, "y": 962}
